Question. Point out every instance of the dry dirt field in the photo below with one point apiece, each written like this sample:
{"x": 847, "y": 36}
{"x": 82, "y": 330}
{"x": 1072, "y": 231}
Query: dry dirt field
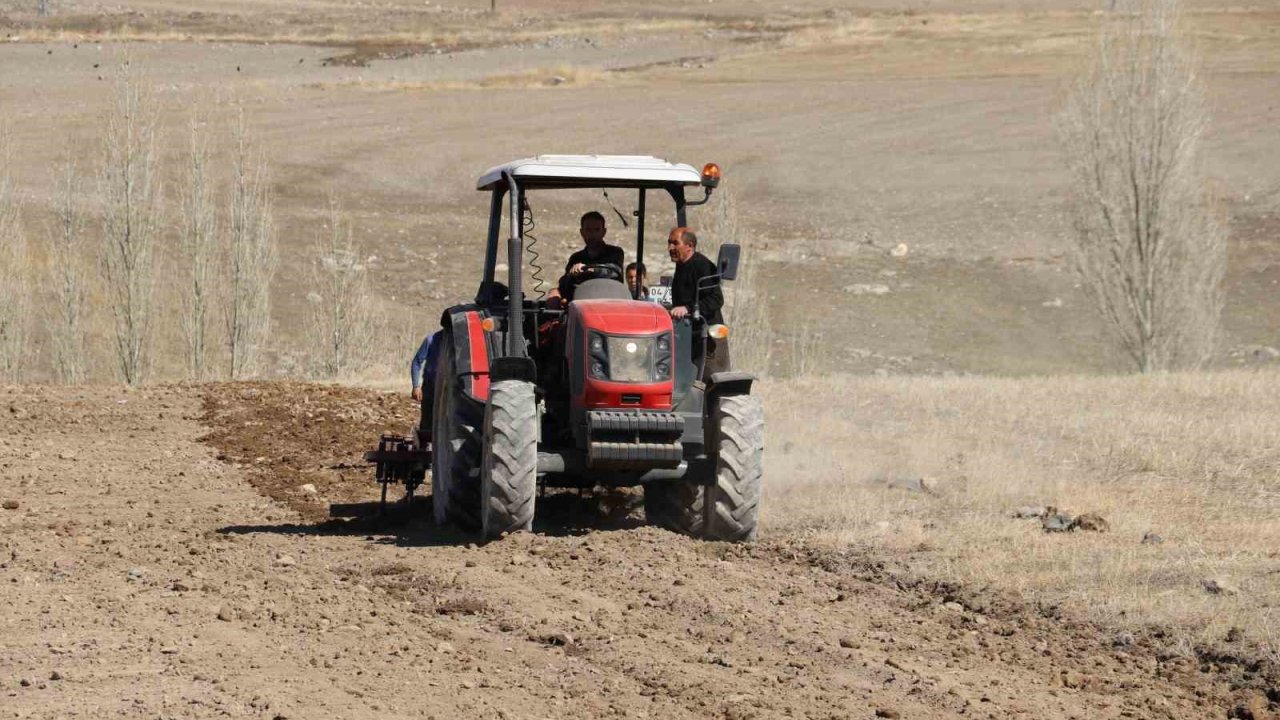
{"x": 162, "y": 560}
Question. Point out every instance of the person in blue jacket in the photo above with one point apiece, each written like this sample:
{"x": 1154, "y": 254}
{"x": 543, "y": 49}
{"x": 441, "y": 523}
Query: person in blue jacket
{"x": 422, "y": 373}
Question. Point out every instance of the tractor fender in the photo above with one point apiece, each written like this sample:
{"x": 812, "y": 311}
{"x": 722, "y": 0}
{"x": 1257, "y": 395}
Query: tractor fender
{"x": 728, "y": 383}
{"x": 471, "y": 350}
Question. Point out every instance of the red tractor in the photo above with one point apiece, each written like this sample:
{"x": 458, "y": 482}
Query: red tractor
{"x": 605, "y": 391}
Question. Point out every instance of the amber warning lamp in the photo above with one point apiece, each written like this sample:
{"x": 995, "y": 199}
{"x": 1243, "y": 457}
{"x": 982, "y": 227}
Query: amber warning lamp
{"x": 710, "y": 175}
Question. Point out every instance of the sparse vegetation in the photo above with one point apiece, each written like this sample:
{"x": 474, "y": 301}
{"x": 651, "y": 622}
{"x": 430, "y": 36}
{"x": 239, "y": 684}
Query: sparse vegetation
{"x": 67, "y": 277}
{"x": 199, "y": 249}
{"x": 250, "y": 253}
{"x": 1150, "y": 242}
{"x": 340, "y": 322}
{"x": 1190, "y": 457}
{"x": 15, "y": 280}
{"x": 129, "y": 179}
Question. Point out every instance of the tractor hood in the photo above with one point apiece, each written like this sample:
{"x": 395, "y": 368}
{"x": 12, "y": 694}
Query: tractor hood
{"x": 622, "y": 317}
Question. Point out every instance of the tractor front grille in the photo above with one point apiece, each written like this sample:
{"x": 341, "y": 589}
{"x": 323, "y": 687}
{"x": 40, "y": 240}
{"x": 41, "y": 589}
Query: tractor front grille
{"x": 622, "y": 439}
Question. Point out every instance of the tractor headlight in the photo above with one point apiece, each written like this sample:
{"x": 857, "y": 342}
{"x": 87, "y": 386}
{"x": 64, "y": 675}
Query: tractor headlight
{"x": 630, "y": 359}
{"x": 662, "y": 357}
{"x": 598, "y": 356}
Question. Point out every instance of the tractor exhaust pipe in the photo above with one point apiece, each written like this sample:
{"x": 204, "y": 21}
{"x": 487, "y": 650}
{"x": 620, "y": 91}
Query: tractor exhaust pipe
{"x": 515, "y": 253}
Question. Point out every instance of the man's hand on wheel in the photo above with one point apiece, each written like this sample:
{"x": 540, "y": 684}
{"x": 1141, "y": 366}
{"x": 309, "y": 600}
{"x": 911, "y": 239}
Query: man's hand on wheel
{"x": 679, "y": 311}
{"x": 577, "y": 269}
{"x": 417, "y": 394}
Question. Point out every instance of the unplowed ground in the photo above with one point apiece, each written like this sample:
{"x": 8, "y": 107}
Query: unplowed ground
{"x": 162, "y": 562}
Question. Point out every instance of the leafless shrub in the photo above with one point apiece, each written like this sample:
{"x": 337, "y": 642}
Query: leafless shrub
{"x": 198, "y": 246}
{"x": 1149, "y": 243}
{"x": 130, "y": 188}
{"x": 67, "y": 277}
{"x": 250, "y": 253}
{"x": 746, "y": 307}
{"x": 340, "y": 320}
{"x": 15, "y": 285}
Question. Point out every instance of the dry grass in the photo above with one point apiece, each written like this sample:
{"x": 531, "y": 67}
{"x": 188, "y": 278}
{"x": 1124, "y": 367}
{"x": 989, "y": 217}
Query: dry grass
{"x": 1192, "y": 457}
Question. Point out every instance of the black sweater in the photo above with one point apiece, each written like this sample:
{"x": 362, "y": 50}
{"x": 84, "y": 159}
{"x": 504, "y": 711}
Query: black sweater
{"x": 684, "y": 286}
{"x": 609, "y": 255}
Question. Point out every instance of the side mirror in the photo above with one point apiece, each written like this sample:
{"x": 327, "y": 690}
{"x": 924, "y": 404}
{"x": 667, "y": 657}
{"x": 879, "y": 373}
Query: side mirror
{"x": 727, "y": 261}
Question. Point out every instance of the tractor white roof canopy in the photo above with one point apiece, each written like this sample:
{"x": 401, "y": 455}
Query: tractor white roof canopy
{"x": 569, "y": 170}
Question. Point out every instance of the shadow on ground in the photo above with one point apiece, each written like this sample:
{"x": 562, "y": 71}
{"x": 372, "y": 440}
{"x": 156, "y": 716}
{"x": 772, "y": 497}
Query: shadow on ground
{"x": 412, "y": 524}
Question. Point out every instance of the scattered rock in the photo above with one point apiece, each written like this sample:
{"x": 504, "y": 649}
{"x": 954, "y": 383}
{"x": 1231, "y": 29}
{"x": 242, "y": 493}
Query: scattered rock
{"x": 558, "y": 639}
{"x": 179, "y": 586}
{"x": 899, "y": 250}
{"x": 136, "y": 573}
{"x": 1150, "y": 538}
{"x": 309, "y": 489}
{"x": 24, "y": 682}
{"x": 888, "y": 713}
{"x": 168, "y": 650}
{"x": 1220, "y": 586}
{"x": 1091, "y": 522}
{"x": 1054, "y": 303}
{"x": 558, "y": 80}
{"x": 66, "y": 455}
{"x": 10, "y": 505}
{"x": 866, "y": 289}
{"x": 1029, "y": 512}
{"x": 225, "y": 614}
{"x": 55, "y": 675}
{"x": 445, "y": 648}
{"x": 286, "y": 561}
{"x": 848, "y": 643}
{"x": 1055, "y": 521}
{"x": 1123, "y": 639}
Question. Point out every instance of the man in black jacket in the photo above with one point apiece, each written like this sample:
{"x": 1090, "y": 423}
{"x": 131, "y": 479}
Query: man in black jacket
{"x": 595, "y": 251}
{"x": 691, "y": 267}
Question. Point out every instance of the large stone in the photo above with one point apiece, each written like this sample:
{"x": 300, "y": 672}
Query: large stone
{"x": 1057, "y": 522}
{"x": 1091, "y": 522}
{"x": 10, "y": 505}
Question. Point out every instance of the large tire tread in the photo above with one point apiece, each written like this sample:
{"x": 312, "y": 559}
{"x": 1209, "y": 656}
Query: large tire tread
{"x": 733, "y": 501}
{"x": 510, "y": 471}
{"x": 457, "y": 443}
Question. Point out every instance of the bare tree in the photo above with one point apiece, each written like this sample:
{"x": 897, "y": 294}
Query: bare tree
{"x": 130, "y": 187}
{"x": 198, "y": 247}
{"x": 67, "y": 277}
{"x": 15, "y": 284}
{"x": 340, "y": 323}
{"x": 1149, "y": 242}
{"x": 250, "y": 257}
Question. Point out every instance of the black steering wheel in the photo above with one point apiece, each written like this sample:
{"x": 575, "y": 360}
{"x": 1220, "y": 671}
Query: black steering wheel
{"x": 601, "y": 271}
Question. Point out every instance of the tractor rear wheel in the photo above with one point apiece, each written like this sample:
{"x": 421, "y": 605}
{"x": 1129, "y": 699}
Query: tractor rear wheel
{"x": 509, "y": 476}
{"x": 457, "y": 423}
{"x": 676, "y": 505}
{"x": 733, "y": 500}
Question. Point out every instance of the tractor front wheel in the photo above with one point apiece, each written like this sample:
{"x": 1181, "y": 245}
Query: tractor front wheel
{"x": 509, "y": 478}
{"x": 733, "y": 500}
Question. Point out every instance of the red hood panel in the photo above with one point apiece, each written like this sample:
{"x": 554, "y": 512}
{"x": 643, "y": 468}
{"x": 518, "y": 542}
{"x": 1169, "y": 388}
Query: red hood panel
{"x": 622, "y": 317}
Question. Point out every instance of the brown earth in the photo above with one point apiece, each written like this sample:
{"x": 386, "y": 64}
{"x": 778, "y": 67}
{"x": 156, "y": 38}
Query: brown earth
{"x": 144, "y": 577}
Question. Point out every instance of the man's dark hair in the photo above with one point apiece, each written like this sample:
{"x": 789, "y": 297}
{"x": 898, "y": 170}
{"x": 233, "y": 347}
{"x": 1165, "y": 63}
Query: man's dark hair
{"x": 638, "y": 267}
{"x": 593, "y": 215}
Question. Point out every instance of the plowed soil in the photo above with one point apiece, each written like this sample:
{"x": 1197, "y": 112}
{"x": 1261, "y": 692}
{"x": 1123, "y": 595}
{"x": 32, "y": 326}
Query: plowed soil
{"x": 163, "y": 562}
